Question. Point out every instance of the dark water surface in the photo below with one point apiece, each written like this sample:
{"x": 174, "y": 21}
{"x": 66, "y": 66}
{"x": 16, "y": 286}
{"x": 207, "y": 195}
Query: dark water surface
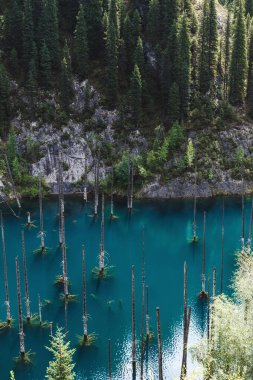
{"x": 168, "y": 229}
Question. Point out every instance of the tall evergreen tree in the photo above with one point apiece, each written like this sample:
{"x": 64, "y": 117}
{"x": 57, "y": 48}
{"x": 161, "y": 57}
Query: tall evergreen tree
{"x": 250, "y": 61}
{"x": 13, "y": 28}
{"x": 227, "y": 56}
{"x": 28, "y": 35}
{"x": 81, "y": 45}
{"x": 153, "y": 26}
{"x": 250, "y": 96}
{"x": 93, "y": 10}
{"x": 112, "y": 45}
{"x": 136, "y": 95}
{"x": 139, "y": 56}
{"x": 238, "y": 67}
{"x": 208, "y": 46}
{"x": 45, "y": 67}
{"x": 174, "y": 104}
{"x": 52, "y": 35}
{"x": 4, "y": 100}
{"x": 184, "y": 67}
{"x": 13, "y": 62}
{"x": 61, "y": 367}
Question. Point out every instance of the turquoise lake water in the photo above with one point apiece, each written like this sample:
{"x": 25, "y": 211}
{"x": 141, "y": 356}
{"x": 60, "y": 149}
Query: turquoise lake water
{"x": 168, "y": 229}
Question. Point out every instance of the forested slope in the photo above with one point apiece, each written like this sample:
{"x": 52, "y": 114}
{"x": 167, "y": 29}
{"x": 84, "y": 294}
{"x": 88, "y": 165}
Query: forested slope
{"x": 155, "y": 79}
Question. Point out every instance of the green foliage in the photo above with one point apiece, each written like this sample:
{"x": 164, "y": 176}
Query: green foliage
{"x": 4, "y": 100}
{"x": 28, "y": 35}
{"x": 208, "y": 46}
{"x": 190, "y": 153}
{"x": 61, "y": 368}
{"x": 228, "y": 354}
{"x": 81, "y": 45}
{"x": 45, "y": 67}
{"x": 238, "y": 60}
{"x": 176, "y": 136}
{"x": 12, "y": 375}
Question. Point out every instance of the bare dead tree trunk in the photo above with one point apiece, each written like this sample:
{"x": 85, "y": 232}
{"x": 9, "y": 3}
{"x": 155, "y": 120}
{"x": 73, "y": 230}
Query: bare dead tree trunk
{"x": 61, "y": 201}
{"x": 133, "y": 324}
{"x": 195, "y": 209}
{"x": 28, "y": 218}
{"x": 130, "y": 186}
{"x": 147, "y": 316}
{"x": 40, "y": 309}
{"x": 12, "y": 181}
{"x": 109, "y": 360}
{"x": 51, "y": 328}
{"x": 203, "y": 276}
{"x": 184, "y": 360}
{"x": 143, "y": 304}
{"x": 208, "y": 308}
{"x": 65, "y": 272}
{"x": 222, "y": 247}
{"x": 85, "y": 196}
{"x": 250, "y": 227}
{"x": 96, "y": 186}
{"x": 85, "y": 328}
{"x": 42, "y": 233}
{"x": 159, "y": 338}
{"x": 112, "y": 206}
{"x": 213, "y": 308}
{"x": 20, "y": 315}
{"x": 102, "y": 242}
{"x": 6, "y": 284}
{"x": 27, "y": 299}
{"x": 243, "y": 217}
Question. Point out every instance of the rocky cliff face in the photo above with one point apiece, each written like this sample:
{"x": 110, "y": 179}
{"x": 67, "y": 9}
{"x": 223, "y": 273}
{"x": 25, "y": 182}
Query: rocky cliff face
{"x": 77, "y": 140}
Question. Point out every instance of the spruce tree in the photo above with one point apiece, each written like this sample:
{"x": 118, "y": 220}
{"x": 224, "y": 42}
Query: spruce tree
{"x": 32, "y": 79}
{"x": 61, "y": 367}
{"x": 93, "y": 10}
{"x": 250, "y": 61}
{"x": 52, "y": 34}
{"x": 184, "y": 67}
{"x": 227, "y": 56}
{"x": 45, "y": 67}
{"x": 13, "y": 62}
{"x": 81, "y": 45}
{"x": 28, "y": 35}
{"x": 13, "y": 27}
{"x": 139, "y": 56}
{"x": 153, "y": 26}
{"x": 4, "y": 100}
{"x": 208, "y": 46}
{"x": 136, "y": 95}
{"x": 112, "y": 45}
{"x": 238, "y": 67}
{"x": 250, "y": 96}
{"x": 174, "y": 104}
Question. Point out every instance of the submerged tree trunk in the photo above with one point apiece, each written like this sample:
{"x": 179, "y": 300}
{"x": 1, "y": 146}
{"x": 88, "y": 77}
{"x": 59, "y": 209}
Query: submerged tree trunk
{"x": 143, "y": 305}
{"x": 85, "y": 328}
{"x": 85, "y": 196}
{"x": 20, "y": 315}
{"x": 96, "y": 189}
{"x": 6, "y": 284}
{"x": 203, "y": 276}
{"x": 133, "y": 324}
{"x": 42, "y": 233}
{"x": 109, "y": 360}
{"x": 222, "y": 247}
{"x": 195, "y": 209}
{"x": 102, "y": 242}
{"x": 186, "y": 323}
{"x": 243, "y": 217}
{"x": 27, "y": 299}
{"x": 130, "y": 186}
{"x": 159, "y": 338}
{"x": 250, "y": 227}
{"x": 147, "y": 316}
{"x": 40, "y": 309}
